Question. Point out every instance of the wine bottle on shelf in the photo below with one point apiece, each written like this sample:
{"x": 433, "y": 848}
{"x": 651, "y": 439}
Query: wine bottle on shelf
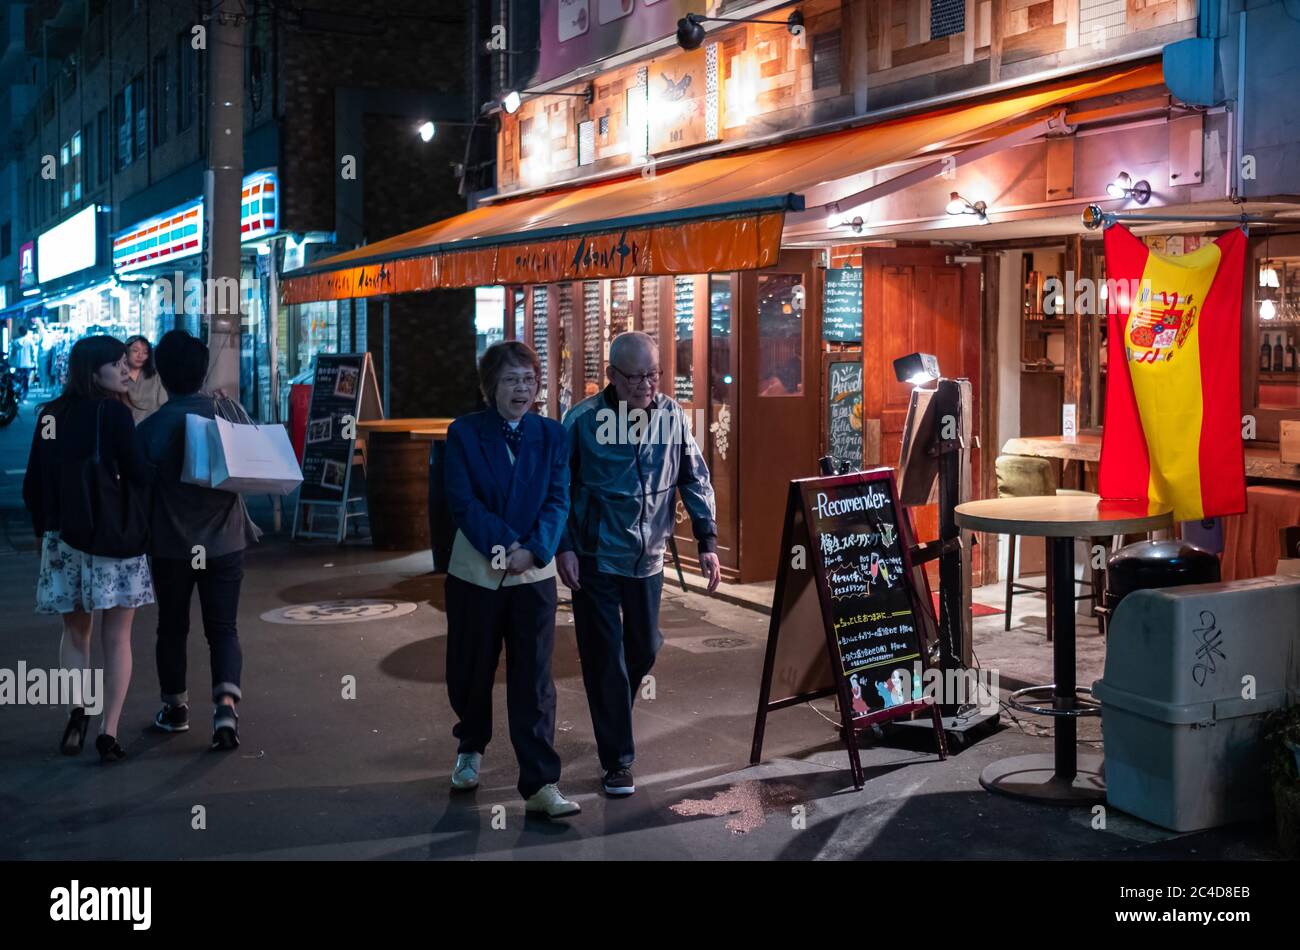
{"x": 1277, "y": 353}
{"x": 1265, "y": 356}
{"x": 1289, "y": 360}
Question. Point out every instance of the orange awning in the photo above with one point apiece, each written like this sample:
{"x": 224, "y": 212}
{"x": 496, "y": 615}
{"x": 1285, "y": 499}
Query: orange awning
{"x": 717, "y": 214}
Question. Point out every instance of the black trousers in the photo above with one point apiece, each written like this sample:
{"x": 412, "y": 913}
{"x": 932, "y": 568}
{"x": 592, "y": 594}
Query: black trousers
{"x": 616, "y": 619}
{"x": 479, "y": 621}
{"x": 174, "y": 580}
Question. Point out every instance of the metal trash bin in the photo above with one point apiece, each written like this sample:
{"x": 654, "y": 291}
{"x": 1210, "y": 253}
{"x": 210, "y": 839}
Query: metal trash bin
{"x": 1145, "y": 565}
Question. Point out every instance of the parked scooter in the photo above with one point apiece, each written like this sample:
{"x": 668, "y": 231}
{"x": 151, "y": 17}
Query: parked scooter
{"x": 10, "y": 394}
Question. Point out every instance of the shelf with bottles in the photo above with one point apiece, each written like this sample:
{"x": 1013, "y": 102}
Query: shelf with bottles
{"x": 1277, "y": 353}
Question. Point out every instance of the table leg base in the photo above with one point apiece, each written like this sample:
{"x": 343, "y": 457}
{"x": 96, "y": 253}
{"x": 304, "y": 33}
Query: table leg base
{"x": 1033, "y": 777}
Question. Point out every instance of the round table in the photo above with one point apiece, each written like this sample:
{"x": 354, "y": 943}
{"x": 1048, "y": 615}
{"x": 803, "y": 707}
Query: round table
{"x": 1064, "y": 777}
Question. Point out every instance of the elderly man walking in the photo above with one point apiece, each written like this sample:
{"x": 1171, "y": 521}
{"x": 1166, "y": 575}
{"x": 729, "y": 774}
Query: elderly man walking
{"x": 631, "y": 452}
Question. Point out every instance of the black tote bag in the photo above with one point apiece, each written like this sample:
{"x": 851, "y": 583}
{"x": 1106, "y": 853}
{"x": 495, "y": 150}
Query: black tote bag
{"x": 105, "y": 515}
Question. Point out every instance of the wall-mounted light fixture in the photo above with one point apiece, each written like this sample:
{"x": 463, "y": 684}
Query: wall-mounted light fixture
{"x": 959, "y": 205}
{"x": 1125, "y": 187}
{"x": 426, "y": 131}
{"x": 834, "y": 220}
{"x": 513, "y": 99}
{"x": 690, "y": 29}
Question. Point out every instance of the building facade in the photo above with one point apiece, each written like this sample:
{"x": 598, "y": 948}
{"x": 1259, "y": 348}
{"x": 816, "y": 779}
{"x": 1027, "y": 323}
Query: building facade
{"x": 110, "y": 153}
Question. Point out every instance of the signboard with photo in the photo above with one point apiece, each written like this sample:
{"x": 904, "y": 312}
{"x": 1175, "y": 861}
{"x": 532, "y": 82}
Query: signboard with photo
{"x": 344, "y": 392}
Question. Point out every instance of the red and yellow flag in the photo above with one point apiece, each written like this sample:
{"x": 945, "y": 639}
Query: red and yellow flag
{"x": 1173, "y": 394}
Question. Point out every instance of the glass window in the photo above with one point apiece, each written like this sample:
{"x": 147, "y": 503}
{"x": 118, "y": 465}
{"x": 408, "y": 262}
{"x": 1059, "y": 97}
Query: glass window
{"x": 720, "y": 380}
{"x": 780, "y": 334}
{"x": 684, "y": 324}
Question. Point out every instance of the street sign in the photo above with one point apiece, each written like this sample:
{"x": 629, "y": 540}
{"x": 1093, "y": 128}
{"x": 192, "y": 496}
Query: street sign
{"x": 846, "y": 621}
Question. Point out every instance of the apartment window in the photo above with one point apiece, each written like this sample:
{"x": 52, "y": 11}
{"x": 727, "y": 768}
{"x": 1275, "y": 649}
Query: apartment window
{"x": 88, "y": 157}
{"x": 75, "y": 167}
{"x": 101, "y": 147}
{"x": 122, "y": 129}
{"x": 65, "y": 177}
{"x": 141, "y": 115}
{"x": 159, "y": 94}
{"x": 186, "y": 81}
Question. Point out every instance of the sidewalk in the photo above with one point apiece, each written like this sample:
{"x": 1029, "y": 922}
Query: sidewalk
{"x": 320, "y": 776}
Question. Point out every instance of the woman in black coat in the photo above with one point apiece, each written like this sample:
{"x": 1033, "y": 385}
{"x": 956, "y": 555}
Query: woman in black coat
{"x": 94, "y": 405}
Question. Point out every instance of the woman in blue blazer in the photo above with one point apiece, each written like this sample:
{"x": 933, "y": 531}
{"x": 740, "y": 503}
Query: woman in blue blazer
{"x": 507, "y": 488}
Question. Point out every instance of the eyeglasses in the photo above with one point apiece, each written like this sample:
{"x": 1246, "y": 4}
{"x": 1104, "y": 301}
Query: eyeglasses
{"x": 519, "y": 380}
{"x": 639, "y": 378}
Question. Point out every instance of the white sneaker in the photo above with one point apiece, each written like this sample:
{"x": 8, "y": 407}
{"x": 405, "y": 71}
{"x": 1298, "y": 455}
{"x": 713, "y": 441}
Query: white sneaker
{"x": 551, "y": 803}
{"x": 464, "y": 775}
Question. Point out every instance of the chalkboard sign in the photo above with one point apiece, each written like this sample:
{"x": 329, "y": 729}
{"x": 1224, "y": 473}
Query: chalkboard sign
{"x": 860, "y": 563}
{"x": 845, "y": 579}
{"x": 842, "y": 305}
{"x": 343, "y": 388}
{"x": 844, "y": 410}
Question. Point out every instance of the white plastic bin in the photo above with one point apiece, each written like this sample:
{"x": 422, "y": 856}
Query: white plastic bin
{"x": 1180, "y": 730}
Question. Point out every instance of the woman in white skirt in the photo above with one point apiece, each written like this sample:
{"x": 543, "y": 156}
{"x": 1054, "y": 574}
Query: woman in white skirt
{"x": 94, "y": 405}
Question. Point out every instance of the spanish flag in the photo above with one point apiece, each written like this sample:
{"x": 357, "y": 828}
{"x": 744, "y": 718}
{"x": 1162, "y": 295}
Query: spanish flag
{"x": 1173, "y": 393}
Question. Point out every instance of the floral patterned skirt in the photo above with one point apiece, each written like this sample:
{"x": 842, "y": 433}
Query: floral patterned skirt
{"x": 71, "y": 580}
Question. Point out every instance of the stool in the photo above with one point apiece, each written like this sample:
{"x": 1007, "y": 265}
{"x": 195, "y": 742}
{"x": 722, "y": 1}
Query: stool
{"x": 1021, "y": 476}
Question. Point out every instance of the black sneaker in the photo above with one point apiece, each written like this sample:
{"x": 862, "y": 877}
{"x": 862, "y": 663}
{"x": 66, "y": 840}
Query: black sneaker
{"x": 173, "y": 718}
{"x": 618, "y": 782}
{"x": 225, "y": 728}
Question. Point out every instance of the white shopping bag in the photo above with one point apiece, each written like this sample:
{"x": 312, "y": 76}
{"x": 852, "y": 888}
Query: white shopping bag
{"x": 197, "y": 467}
{"x": 252, "y": 459}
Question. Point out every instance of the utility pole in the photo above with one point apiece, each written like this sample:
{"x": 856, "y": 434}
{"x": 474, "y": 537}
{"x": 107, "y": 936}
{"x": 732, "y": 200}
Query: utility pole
{"x": 223, "y": 187}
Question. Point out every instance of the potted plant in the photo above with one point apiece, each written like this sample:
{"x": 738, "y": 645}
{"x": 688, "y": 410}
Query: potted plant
{"x": 1282, "y": 742}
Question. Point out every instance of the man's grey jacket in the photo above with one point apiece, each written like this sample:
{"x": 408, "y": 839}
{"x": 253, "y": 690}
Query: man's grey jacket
{"x": 627, "y": 469}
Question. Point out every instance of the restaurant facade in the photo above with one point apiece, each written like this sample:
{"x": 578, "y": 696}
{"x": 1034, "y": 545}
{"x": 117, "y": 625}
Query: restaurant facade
{"x": 790, "y": 205}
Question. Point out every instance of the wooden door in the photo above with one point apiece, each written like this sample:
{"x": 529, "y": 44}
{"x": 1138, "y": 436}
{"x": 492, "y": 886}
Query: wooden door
{"x": 777, "y": 421}
{"x": 915, "y": 300}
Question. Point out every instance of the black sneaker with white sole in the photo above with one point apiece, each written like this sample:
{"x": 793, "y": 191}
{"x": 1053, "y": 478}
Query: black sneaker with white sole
{"x": 618, "y": 782}
{"x": 173, "y": 718}
{"x": 225, "y": 728}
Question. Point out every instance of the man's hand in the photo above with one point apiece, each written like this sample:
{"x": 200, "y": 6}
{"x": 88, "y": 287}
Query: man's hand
{"x": 566, "y": 562}
{"x": 712, "y": 570}
{"x": 521, "y": 559}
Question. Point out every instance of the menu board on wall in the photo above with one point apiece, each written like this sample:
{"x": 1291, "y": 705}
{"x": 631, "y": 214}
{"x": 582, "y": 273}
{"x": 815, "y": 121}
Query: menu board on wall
{"x": 684, "y": 321}
{"x": 563, "y": 330}
{"x": 650, "y": 306}
{"x": 541, "y": 342}
{"x": 844, "y": 411}
{"x": 343, "y": 390}
{"x": 592, "y": 342}
{"x": 846, "y": 618}
{"x": 620, "y": 306}
{"x": 842, "y": 305}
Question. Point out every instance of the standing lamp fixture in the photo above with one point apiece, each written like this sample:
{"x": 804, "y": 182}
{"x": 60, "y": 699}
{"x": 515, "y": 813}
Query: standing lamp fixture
{"x": 1124, "y": 187}
{"x": 959, "y": 205}
{"x": 511, "y": 101}
{"x": 690, "y": 29}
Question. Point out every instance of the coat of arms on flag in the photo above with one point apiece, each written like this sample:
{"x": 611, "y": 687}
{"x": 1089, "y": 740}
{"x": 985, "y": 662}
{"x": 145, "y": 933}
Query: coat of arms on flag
{"x": 1173, "y": 396}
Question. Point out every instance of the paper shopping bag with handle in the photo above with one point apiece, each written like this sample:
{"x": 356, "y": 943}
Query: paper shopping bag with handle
{"x": 197, "y": 466}
{"x": 253, "y": 459}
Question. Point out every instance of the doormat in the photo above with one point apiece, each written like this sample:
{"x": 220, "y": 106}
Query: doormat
{"x": 977, "y": 610}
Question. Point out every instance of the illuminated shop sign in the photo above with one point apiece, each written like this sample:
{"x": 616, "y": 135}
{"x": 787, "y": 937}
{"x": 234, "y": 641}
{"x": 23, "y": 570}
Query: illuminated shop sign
{"x": 179, "y": 233}
{"x": 27, "y": 265}
{"x": 68, "y": 247}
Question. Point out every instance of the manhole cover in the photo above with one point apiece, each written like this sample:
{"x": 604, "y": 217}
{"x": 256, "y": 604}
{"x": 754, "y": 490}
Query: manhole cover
{"x": 725, "y": 643}
{"x": 339, "y": 611}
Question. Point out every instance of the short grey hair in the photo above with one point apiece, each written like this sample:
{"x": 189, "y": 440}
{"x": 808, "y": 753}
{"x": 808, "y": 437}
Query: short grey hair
{"x": 625, "y": 344}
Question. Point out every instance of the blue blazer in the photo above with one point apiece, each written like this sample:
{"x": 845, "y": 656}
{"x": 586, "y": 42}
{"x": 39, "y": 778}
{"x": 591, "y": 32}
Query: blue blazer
{"x": 495, "y": 503}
